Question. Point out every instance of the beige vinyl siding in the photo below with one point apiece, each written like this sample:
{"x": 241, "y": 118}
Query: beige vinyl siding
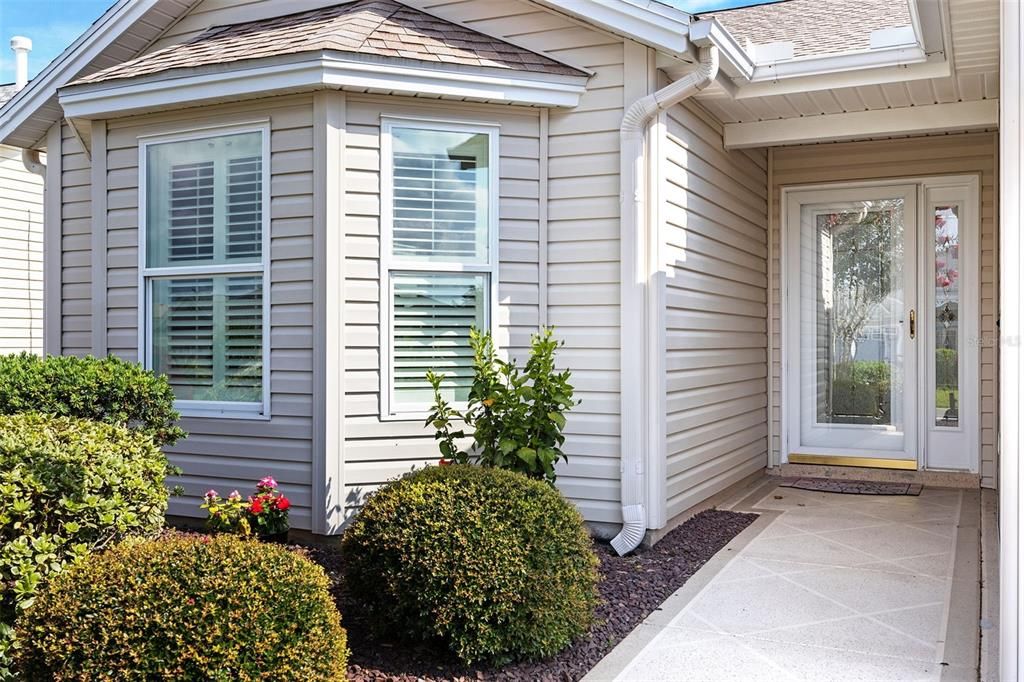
{"x": 582, "y": 231}
{"x": 714, "y": 224}
{"x": 233, "y": 453}
{"x": 21, "y": 255}
{"x": 872, "y": 160}
{"x": 375, "y": 449}
{"x": 76, "y": 246}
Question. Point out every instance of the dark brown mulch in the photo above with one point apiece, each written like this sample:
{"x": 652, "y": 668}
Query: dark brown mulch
{"x": 632, "y": 587}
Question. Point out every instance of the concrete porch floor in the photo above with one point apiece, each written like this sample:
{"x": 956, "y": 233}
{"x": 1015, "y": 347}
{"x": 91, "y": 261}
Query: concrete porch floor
{"x": 824, "y": 586}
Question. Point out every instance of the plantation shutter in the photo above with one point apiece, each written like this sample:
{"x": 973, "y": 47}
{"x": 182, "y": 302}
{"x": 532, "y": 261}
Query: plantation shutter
{"x": 186, "y": 341}
{"x": 190, "y": 230}
{"x": 243, "y": 337}
{"x": 432, "y": 317}
{"x": 435, "y": 211}
{"x": 244, "y": 208}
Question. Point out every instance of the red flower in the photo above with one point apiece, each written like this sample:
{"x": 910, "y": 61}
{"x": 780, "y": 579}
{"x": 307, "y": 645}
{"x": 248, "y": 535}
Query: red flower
{"x": 283, "y": 503}
{"x": 444, "y": 462}
{"x": 256, "y": 506}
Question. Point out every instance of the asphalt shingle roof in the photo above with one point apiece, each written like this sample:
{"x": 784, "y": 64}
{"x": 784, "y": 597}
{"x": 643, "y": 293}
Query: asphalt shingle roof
{"x": 815, "y": 27}
{"x": 382, "y": 28}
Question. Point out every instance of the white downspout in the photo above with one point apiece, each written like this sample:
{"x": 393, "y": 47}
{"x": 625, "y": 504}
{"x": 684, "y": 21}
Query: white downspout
{"x": 635, "y": 273}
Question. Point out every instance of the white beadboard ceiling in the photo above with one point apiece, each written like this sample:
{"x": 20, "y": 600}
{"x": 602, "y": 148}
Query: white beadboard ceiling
{"x": 974, "y": 25}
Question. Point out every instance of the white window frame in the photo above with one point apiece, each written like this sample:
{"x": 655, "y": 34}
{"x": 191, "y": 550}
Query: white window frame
{"x": 207, "y": 408}
{"x": 389, "y": 264}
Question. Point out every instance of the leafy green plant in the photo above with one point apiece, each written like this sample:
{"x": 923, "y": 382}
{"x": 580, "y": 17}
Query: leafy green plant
{"x": 517, "y": 415}
{"x": 67, "y": 487}
{"x": 494, "y": 565}
{"x": 109, "y": 390}
{"x": 186, "y": 607}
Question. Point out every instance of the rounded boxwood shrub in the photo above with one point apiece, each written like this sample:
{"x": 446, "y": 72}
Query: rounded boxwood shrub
{"x": 186, "y": 607}
{"x": 494, "y": 565}
{"x": 109, "y": 390}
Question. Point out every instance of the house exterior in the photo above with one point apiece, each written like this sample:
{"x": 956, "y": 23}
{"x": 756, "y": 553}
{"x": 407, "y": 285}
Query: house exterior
{"x": 779, "y": 237}
{"x": 21, "y": 236}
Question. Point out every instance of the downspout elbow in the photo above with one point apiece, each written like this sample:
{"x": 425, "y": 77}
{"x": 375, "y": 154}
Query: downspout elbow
{"x": 33, "y": 164}
{"x": 634, "y": 198}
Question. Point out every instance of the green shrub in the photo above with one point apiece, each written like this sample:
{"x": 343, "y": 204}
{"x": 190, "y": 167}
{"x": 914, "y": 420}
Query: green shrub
{"x": 489, "y": 563}
{"x": 186, "y": 607}
{"x": 68, "y": 486}
{"x": 517, "y": 416}
{"x": 109, "y": 390}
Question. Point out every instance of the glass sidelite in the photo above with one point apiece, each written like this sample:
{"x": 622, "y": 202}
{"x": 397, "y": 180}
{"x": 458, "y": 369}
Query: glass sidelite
{"x": 947, "y": 315}
{"x": 858, "y": 306}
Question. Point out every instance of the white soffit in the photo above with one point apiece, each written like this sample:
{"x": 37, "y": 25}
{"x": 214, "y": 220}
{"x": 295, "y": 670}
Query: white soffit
{"x": 317, "y": 71}
{"x": 933, "y": 118}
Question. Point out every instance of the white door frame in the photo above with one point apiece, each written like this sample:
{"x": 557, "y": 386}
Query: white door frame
{"x": 971, "y": 360}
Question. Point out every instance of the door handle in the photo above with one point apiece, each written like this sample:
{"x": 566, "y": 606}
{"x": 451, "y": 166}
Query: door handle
{"x": 913, "y": 323}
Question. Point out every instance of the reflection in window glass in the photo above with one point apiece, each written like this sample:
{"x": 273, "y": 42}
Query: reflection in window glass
{"x": 947, "y": 315}
{"x": 859, "y": 307}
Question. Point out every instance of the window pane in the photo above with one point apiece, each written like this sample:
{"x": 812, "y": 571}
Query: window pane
{"x": 947, "y": 315}
{"x": 432, "y": 317}
{"x": 208, "y": 336}
{"x": 440, "y": 195}
{"x": 204, "y": 201}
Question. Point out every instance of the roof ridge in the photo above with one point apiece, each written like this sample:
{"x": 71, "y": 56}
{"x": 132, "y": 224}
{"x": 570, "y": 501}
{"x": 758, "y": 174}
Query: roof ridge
{"x": 394, "y": 10}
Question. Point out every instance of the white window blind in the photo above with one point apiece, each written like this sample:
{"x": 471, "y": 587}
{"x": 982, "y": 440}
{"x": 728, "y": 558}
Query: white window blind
{"x": 205, "y": 204}
{"x": 438, "y": 257}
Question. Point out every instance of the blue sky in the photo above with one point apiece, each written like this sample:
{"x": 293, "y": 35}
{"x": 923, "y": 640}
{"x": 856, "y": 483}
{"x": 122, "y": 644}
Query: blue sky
{"x": 54, "y": 24}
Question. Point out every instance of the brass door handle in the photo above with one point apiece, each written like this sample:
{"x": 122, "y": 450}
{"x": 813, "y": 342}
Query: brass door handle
{"x": 913, "y": 324}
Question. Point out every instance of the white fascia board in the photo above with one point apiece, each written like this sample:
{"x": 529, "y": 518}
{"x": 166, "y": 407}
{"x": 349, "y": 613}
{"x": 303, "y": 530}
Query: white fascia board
{"x": 313, "y": 72}
{"x": 931, "y": 118}
{"x": 69, "y": 63}
{"x": 646, "y": 21}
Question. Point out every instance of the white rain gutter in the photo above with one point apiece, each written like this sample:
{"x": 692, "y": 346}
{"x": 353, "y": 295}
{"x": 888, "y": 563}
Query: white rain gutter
{"x": 634, "y": 229}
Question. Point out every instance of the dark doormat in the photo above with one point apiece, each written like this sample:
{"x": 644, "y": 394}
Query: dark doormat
{"x": 829, "y": 485}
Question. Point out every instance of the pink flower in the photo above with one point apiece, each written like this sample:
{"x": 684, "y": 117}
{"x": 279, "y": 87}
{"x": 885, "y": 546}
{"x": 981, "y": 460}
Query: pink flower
{"x": 235, "y": 495}
{"x": 211, "y": 493}
{"x": 267, "y": 482}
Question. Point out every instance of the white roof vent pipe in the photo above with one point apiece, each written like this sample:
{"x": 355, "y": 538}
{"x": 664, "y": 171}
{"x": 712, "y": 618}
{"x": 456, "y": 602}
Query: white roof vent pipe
{"x": 634, "y": 233}
{"x": 21, "y": 47}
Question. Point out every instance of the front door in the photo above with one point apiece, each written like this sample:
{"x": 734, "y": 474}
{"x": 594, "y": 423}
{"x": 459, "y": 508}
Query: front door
{"x": 878, "y": 356}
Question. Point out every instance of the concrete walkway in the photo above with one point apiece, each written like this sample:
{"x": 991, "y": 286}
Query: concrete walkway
{"x": 824, "y": 586}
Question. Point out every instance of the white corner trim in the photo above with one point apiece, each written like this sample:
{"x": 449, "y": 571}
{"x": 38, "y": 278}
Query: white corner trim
{"x": 315, "y": 71}
{"x": 328, "y": 510}
{"x": 98, "y": 182}
{"x": 52, "y": 269}
{"x": 652, "y": 23}
{"x": 931, "y": 118}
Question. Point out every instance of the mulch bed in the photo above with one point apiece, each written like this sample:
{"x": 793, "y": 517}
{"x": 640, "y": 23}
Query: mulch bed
{"x": 632, "y": 587}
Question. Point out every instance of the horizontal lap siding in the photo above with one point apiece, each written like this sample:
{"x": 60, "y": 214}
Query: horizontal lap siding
{"x": 873, "y": 160}
{"x": 76, "y": 247}
{"x": 377, "y": 450}
{"x": 715, "y": 244}
{"x": 21, "y": 255}
{"x": 229, "y": 453}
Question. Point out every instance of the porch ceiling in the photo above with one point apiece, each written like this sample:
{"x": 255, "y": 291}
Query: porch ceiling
{"x": 971, "y": 30}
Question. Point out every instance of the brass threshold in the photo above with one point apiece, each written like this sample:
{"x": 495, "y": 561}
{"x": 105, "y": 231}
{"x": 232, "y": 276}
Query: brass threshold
{"x": 841, "y": 461}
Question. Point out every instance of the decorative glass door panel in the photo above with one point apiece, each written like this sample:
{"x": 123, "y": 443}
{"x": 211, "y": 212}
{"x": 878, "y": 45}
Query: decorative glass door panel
{"x": 855, "y": 287}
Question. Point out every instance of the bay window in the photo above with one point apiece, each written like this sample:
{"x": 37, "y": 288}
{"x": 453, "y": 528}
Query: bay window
{"x": 439, "y": 200}
{"x": 203, "y": 268}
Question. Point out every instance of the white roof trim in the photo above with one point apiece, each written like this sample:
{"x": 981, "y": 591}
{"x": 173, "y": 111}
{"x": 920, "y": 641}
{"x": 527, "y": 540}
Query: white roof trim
{"x": 931, "y": 118}
{"x": 70, "y": 63}
{"x": 312, "y": 71}
{"x": 741, "y": 65}
{"x": 647, "y": 21}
